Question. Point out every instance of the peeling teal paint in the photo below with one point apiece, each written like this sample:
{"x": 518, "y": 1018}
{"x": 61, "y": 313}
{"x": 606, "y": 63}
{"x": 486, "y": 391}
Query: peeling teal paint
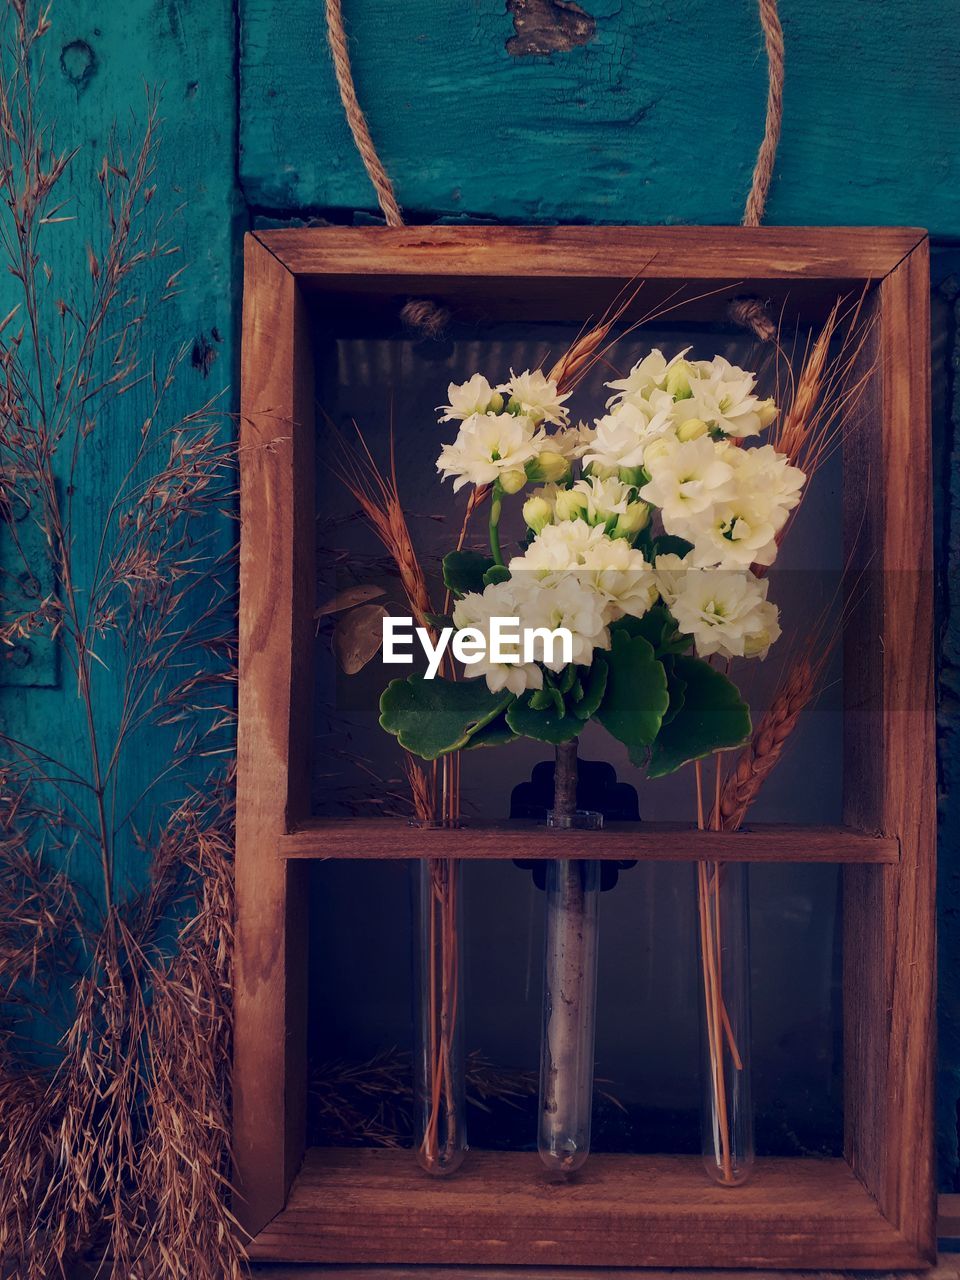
{"x": 656, "y": 119}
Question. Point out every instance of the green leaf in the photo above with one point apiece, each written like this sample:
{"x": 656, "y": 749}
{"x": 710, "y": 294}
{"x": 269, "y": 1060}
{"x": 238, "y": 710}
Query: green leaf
{"x": 592, "y": 682}
{"x": 713, "y": 716}
{"x": 433, "y": 717}
{"x": 463, "y": 571}
{"x": 676, "y": 687}
{"x": 496, "y": 573}
{"x": 658, "y": 628}
{"x": 669, "y": 544}
{"x": 439, "y": 620}
{"x": 495, "y": 734}
{"x": 636, "y": 695}
{"x": 549, "y": 725}
{"x": 568, "y": 677}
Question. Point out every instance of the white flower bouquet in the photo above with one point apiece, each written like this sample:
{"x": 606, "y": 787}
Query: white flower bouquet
{"x": 643, "y": 532}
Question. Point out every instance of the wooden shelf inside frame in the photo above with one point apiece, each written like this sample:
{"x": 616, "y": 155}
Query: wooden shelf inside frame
{"x": 641, "y": 1211}
{"x": 396, "y": 838}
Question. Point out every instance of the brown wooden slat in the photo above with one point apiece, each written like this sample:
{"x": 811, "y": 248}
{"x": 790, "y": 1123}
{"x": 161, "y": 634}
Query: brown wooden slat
{"x": 948, "y": 1268}
{"x": 390, "y": 838}
{"x": 276, "y": 585}
{"x": 888, "y": 912}
{"x": 908, "y": 802}
{"x": 365, "y": 1206}
{"x": 708, "y": 253}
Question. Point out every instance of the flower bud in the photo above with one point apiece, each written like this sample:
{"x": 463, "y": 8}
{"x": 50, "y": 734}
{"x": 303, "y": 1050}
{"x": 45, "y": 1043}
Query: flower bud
{"x": 654, "y": 451}
{"x": 555, "y": 466}
{"x": 634, "y": 520}
{"x": 570, "y": 504}
{"x": 536, "y": 513}
{"x": 678, "y": 380}
{"x": 598, "y": 470}
{"x": 634, "y": 476}
{"x": 692, "y": 429}
{"x": 496, "y": 403}
{"x": 768, "y": 412}
{"x": 548, "y": 467}
{"x": 513, "y": 481}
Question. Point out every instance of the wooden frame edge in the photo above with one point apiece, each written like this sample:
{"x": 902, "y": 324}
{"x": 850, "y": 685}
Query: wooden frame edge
{"x": 276, "y": 484}
{"x": 888, "y": 912}
{"x": 856, "y": 253}
{"x": 270, "y": 923}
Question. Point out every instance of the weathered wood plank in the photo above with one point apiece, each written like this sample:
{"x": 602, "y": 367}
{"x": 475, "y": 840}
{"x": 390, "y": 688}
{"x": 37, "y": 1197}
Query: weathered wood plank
{"x": 909, "y": 798}
{"x": 948, "y": 1268}
{"x": 889, "y": 913}
{"x": 388, "y": 838}
{"x": 623, "y": 1211}
{"x": 616, "y": 253}
{"x": 276, "y": 586}
{"x": 653, "y": 119}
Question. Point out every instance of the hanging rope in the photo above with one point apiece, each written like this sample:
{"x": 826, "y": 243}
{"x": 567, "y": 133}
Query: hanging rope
{"x": 355, "y": 117}
{"x": 418, "y": 314}
{"x": 426, "y": 316}
{"x": 766, "y": 156}
{"x": 752, "y": 313}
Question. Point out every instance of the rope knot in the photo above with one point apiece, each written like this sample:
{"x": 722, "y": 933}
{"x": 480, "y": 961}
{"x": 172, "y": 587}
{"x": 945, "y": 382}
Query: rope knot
{"x": 425, "y": 317}
{"x": 752, "y": 314}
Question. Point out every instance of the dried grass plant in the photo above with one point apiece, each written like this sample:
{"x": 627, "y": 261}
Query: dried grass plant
{"x": 371, "y": 1102}
{"x": 115, "y": 875}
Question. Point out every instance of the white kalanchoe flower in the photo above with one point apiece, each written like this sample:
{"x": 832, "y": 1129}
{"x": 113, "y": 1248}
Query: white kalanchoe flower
{"x": 564, "y": 546}
{"x": 769, "y": 481}
{"x": 669, "y": 570}
{"x": 687, "y": 479}
{"x": 617, "y": 572}
{"x": 725, "y": 610}
{"x": 743, "y": 531}
{"x": 733, "y": 535}
{"x": 647, "y": 375}
{"x": 624, "y": 578}
{"x": 563, "y": 600}
{"x": 623, "y": 435}
{"x": 487, "y": 446}
{"x": 535, "y": 396}
{"x": 722, "y": 395}
{"x": 473, "y": 396}
{"x": 499, "y": 600}
{"x": 604, "y": 498}
{"x": 571, "y": 442}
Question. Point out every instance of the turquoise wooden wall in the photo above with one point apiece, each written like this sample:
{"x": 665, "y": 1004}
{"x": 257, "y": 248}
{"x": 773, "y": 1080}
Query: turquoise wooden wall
{"x": 529, "y": 111}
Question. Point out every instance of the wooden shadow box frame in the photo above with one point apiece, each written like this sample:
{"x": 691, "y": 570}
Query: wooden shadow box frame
{"x": 875, "y": 1207}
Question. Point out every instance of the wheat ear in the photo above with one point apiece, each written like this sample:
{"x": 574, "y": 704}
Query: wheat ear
{"x": 758, "y": 759}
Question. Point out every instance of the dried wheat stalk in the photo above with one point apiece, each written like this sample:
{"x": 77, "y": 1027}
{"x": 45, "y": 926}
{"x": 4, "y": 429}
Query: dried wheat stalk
{"x": 757, "y": 760}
